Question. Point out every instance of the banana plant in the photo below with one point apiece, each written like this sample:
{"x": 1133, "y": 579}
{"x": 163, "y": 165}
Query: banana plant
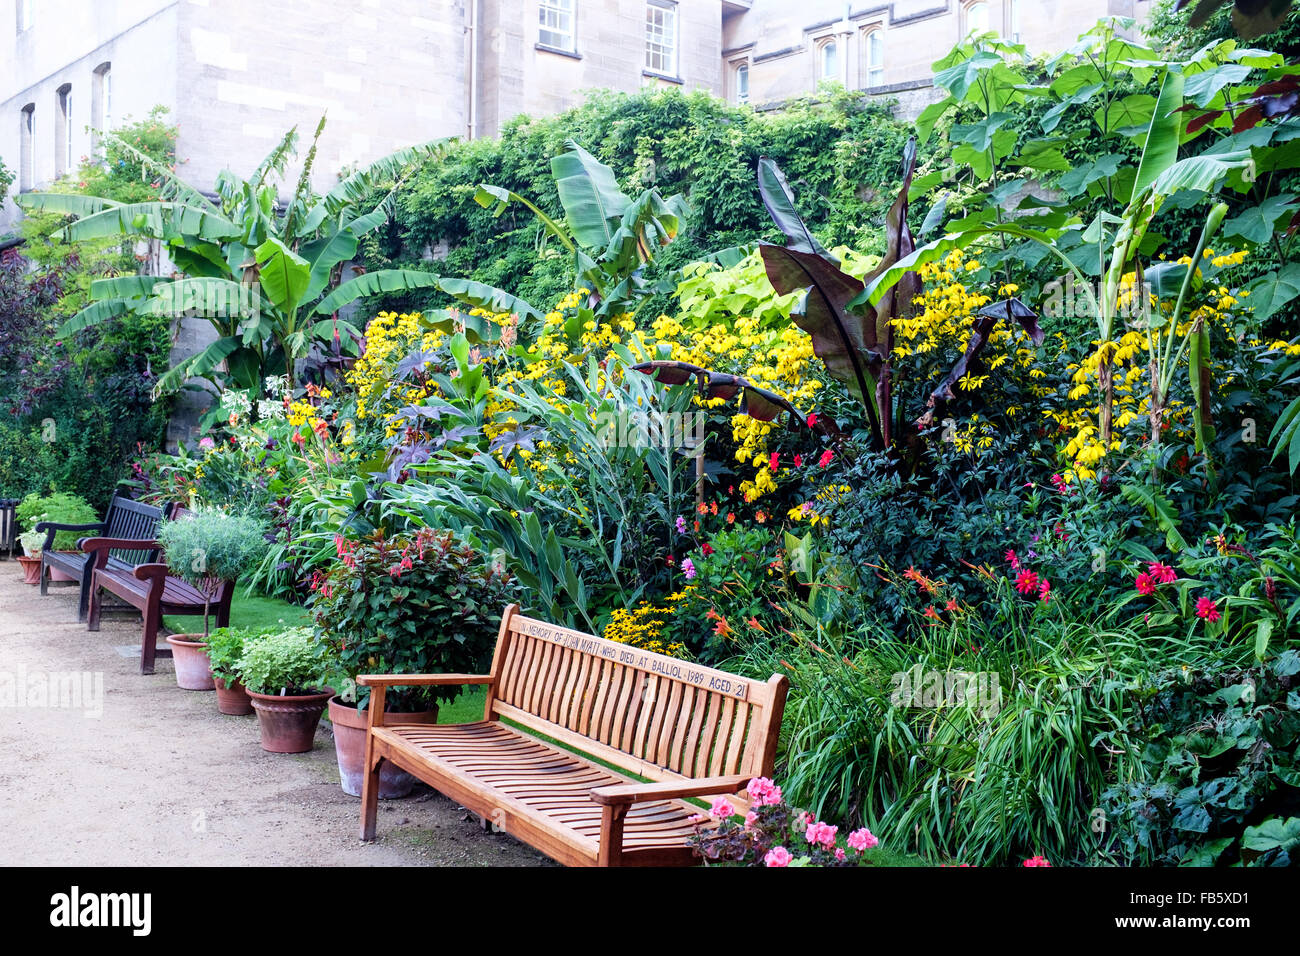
{"x": 265, "y": 274}
{"x": 608, "y": 235}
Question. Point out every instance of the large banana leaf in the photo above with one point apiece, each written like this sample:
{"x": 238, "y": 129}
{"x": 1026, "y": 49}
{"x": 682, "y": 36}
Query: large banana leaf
{"x": 377, "y": 283}
{"x": 593, "y": 203}
{"x": 324, "y": 254}
{"x": 1161, "y": 149}
{"x": 126, "y": 287}
{"x": 283, "y": 273}
{"x": 482, "y": 296}
{"x": 65, "y": 204}
{"x": 648, "y": 223}
{"x": 360, "y": 185}
{"x": 498, "y": 198}
{"x": 197, "y": 366}
{"x": 779, "y": 200}
{"x": 94, "y": 314}
{"x": 161, "y": 220}
{"x": 171, "y": 187}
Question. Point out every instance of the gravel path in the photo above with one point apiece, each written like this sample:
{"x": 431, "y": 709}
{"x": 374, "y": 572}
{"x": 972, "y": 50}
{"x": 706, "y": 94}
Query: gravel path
{"x": 159, "y": 777}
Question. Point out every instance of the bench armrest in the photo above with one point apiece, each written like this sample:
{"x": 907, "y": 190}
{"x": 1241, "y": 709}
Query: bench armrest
{"x": 626, "y": 794}
{"x": 155, "y": 572}
{"x": 51, "y": 528}
{"x": 128, "y": 544}
{"x": 421, "y": 680}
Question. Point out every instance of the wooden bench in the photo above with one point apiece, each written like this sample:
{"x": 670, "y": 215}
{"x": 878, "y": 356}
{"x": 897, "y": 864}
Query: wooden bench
{"x": 126, "y": 520}
{"x": 692, "y": 731}
{"x": 152, "y": 591}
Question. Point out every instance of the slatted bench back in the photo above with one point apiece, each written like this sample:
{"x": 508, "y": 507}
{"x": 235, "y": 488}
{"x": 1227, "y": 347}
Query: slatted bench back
{"x": 131, "y": 519}
{"x": 656, "y": 716}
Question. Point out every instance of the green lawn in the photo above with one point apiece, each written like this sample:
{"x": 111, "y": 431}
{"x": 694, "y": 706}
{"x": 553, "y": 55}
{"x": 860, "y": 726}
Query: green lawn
{"x": 251, "y": 611}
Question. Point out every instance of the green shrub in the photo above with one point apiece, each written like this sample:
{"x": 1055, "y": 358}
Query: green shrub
{"x": 286, "y": 662}
{"x": 60, "y": 508}
{"x": 226, "y": 647}
{"x": 211, "y": 546}
{"x": 422, "y": 604}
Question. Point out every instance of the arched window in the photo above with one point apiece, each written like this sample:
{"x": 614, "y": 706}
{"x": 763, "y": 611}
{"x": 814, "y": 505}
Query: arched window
{"x": 27, "y": 153}
{"x": 977, "y": 17}
{"x": 875, "y": 58}
{"x": 1013, "y": 16}
{"x": 101, "y": 105}
{"x": 63, "y": 132}
{"x": 830, "y": 61}
{"x": 742, "y": 83}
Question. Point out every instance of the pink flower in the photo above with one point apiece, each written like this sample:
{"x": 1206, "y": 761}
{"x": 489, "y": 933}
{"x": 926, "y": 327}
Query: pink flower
{"x": 1144, "y": 584}
{"x": 1045, "y": 590}
{"x": 839, "y": 854}
{"x": 862, "y": 840}
{"x": 1207, "y": 609}
{"x": 722, "y": 809}
{"x": 207, "y": 442}
{"x": 1162, "y": 573}
{"x": 777, "y": 856}
{"x": 1037, "y": 861}
{"x": 1027, "y": 582}
{"x": 763, "y": 792}
{"x": 1013, "y": 560}
{"x": 688, "y": 568}
{"x": 695, "y": 818}
{"x": 750, "y": 819}
{"x": 827, "y": 457}
{"x": 821, "y": 833}
{"x": 681, "y": 525}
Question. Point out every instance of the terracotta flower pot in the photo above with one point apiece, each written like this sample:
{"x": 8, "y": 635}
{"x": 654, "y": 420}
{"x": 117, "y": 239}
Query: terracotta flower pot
{"x": 288, "y": 724}
{"x": 350, "y": 743}
{"x": 190, "y": 655}
{"x": 31, "y": 568}
{"x": 232, "y": 699}
{"x": 57, "y": 575}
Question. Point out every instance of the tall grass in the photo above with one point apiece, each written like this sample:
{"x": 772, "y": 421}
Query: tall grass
{"x": 958, "y": 782}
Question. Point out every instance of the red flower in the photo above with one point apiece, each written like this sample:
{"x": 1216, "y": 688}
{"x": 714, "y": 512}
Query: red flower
{"x": 931, "y": 612}
{"x": 951, "y": 605}
{"x": 774, "y": 462}
{"x": 798, "y": 461}
{"x": 1207, "y": 609}
{"x": 731, "y": 518}
{"x": 812, "y": 420}
{"x": 1162, "y": 573}
{"x": 1013, "y": 560}
{"x": 1044, "y": 590}
{"x": 706, "y": 549}
{"x": 1027, "y": 582}
{"x": 827, "y": 457}
{"x": 1144, "y": 584}
{"x": 1037, "y": 861}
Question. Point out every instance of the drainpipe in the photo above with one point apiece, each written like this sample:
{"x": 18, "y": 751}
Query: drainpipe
{"x": 471, "y": 37}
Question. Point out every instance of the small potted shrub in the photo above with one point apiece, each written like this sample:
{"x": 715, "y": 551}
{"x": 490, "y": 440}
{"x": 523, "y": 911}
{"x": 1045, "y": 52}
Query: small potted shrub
{"x": 225, "y": 648}
{"x": 57, "y": 508}
{"x": 30, "y": 559}
{"x": 209, "y": 549}
{"x": 421, "y": 604}
{"x": 281, "y": 670}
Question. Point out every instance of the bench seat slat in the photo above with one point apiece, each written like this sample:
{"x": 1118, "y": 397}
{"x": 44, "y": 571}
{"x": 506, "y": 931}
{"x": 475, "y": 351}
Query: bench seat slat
{"x": 570, "y": 820}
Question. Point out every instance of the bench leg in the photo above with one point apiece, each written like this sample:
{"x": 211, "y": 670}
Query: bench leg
{"x": 149, "y": 641}
{"x": 370, "y": 795}
{"x": 611, "y": 835}
{"x": 87, "y": 580}
{"x": 45, "y": 578}
{"x": 92, "y": 617}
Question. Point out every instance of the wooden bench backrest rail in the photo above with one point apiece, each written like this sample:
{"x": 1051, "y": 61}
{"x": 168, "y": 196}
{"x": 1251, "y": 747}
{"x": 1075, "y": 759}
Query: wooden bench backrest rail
{"x": 131, "y": 519}
{"x": 656, "y": 716}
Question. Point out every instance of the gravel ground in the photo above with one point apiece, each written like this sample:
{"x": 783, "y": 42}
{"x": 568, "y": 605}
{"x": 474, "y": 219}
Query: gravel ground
{"x": 140, "y": 772}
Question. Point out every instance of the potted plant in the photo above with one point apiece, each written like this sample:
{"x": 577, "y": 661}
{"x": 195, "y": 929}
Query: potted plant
{"x": 30, "y": 559}
{"x": 420, "y": 604}
{"x": 225, "y": 648}
{"x": 58, "y": 508}
{"x": 281, "y": 670}
{"x": 209, "y": 549}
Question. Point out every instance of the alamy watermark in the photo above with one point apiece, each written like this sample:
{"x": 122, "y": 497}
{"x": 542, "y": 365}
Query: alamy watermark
{"x": 652, "y": 429}
{"x": 933, "y": 689}
{"x": 54, "y": 690}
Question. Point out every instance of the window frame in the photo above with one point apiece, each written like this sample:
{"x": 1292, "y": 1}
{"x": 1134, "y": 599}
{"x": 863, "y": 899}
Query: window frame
{"x": 824, "y": 44}
{"x": 27, "y": 148}
{"x": 63, "y": 132}
{"x": 740, "y": 68}
{"x": 671, "y": 9}
{"x": 542, "y": 7}
{"x": 967, "y": 27}
{"x": 873, "y": 35}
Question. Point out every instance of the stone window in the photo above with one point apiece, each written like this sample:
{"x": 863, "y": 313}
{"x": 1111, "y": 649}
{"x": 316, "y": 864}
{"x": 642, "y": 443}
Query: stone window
{"x": 742, "y": 83}
{"x": 976, "y": 16}
{"x": 556, "y": 24}
{"x": 828, "y": 61}
{"x": 101, "y": 105}
{"x": 63, "y": 132}
{"x": 27, "y": 154}
{"x": 661, "y": 37}
{"x": 873, "y": 50}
